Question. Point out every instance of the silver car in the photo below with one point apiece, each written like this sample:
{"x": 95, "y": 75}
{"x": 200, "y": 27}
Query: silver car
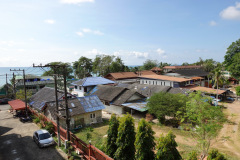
{"x": 43, "y": 138}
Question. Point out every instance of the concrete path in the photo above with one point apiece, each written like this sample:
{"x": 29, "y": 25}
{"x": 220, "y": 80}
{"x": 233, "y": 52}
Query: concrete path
{"x": 16, "y": 140}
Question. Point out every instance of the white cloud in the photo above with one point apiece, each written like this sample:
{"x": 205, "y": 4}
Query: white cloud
{"x": 231, "y": 12}
{"x": 201, "y": 50}
{"x": 160, "y": 51}
{"x": 75, "y": 1}
{"x": 140, "y": 54}
{"x": 50, "y": 21}
{"x": 96, "y": 32}
{"x": 80, "y": 34}
{"x": 86, "y": 30}
{"x": 212, "y": 23}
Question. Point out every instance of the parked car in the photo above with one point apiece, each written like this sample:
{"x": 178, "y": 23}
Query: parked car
{"x": 26, "y": 119}
{"x": 43, "y": 138}
{"x": 4, "y": 100}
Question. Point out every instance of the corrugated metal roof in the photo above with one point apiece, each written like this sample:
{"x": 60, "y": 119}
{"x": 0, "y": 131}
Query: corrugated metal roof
{"x": 92, "y": 81}
{"x": 166, "y": 78}
{"x": 91, "y": 103}
{"x": 139, "y": 105}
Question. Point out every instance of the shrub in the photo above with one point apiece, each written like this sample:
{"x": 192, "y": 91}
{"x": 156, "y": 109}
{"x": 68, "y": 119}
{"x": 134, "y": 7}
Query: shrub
{"x": 215, "y": 155}
{"x": 89, "y": 136}
{"x": 192, "y": 155}
{"x": 238, "y": 90}
{"x": 36, "y": 120}
{"x": 49, "y": 126}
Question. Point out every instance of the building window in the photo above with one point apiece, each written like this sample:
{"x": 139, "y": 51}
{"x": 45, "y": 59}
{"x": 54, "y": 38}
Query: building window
{"x": 161, "y": 83}
{"x": 92, "y": 115}
{"x": 146, "y": 82}
{"x": 153, "y": 82}
{"x": 80, "y": 88}
{"x": 75, "y": 87}
{"x": 164, "y": 83}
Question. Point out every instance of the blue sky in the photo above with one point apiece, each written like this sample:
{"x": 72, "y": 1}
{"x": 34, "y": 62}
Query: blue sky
{"x": 169, "y": 31}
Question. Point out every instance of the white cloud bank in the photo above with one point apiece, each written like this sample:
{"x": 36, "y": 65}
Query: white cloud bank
{"x": 76, "y": 1}
{"x": 231, "y": 12}
{"x": 50, "y": 21}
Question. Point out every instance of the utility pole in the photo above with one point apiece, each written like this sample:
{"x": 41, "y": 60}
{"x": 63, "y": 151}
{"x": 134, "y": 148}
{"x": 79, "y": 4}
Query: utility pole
{"x": 25, "y": 91}
{"x": 14, "y": 86}
{"x": 66, "y": 101}
{"x": 6, "y": 86}
{"x": 56, "y": 95}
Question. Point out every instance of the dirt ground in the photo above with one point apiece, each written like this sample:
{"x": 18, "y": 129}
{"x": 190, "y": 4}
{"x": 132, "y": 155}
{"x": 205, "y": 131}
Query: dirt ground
{"x": 16, "y": 140}
{"x": 228, "y": 140}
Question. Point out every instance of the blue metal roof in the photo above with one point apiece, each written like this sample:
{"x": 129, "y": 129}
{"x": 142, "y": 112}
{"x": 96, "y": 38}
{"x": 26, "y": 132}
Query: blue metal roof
{"x": 91, "y": 103}
{"x": 93, "y": 81}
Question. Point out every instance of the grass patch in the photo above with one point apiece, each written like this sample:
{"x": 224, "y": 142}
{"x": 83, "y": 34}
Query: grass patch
{"x": 95, "y": 133}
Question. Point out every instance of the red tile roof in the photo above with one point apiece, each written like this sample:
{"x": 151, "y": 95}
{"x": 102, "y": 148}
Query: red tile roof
{"x": 156, "y": 69}
{"x": 17, "y": 104}
{"x": 180, "y": 67}
{"x": 122, "y": 75}
{"x": 166, "y": 78}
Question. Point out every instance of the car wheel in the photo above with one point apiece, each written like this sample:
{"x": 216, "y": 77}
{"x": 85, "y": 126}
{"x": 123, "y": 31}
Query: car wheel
{"x": 39, "y": 145}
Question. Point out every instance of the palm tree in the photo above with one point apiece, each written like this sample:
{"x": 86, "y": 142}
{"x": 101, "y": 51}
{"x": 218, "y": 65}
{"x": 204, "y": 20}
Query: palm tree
{"x": 217, "y": 78}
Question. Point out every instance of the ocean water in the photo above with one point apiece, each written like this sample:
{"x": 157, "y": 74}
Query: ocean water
{"x": 28, "y": 70}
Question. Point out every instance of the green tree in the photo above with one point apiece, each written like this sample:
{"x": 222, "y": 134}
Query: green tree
{"x": 232, "y": 59}
{"x": 163, "y": 64}
{"x": 209, "y": 65}
{"x": 125, "y": 139}
{"x": 149, "y": 64}
{"x": 112, "y": 132}
{"x": 163, "y": 103}
{"x": 101, "y": 64}
{"x": 144, "y": 143}
{"x": 117, "y": 65}
{"x": 82, "y": 67}
{"x": 166, "y": 148}
{"x": 21, "y": 95}
{"x": 206, "y": 119}
{"x": 235, "y": 67}
{"x": 185, "y": 64}
{"x": 215, "y": 155}
{"x": 59, "y": 70}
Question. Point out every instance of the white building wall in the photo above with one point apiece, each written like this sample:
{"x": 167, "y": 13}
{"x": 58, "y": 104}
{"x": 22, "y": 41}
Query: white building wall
{"x": 79, "y": 91}
{"x": 114, "y": 109}
{"x": 156, "y": 82}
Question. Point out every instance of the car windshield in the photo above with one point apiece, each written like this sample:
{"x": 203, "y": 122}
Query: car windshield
{"x": 44, "y": 136}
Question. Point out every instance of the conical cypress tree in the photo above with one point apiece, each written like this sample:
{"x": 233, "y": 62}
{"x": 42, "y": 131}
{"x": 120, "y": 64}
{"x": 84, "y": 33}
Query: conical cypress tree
{"x": 126, "y": 139}
{"x": 144, "y": 143}
{"x": 111, "y": 146}
{"x": 166, "y": 148}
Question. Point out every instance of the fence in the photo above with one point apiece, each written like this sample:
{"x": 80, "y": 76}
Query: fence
{"x": 88, "y": 151}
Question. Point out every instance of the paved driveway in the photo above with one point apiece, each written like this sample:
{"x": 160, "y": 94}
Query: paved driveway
{"x": 16, "y": 140}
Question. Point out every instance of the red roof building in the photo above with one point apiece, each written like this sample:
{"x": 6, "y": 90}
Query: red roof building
{"x": 17, "y": 104}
